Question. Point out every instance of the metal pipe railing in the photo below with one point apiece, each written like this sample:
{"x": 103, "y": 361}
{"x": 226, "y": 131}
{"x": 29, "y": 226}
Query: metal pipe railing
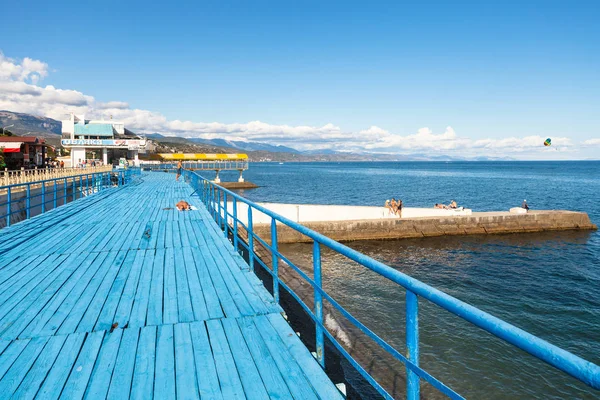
{"x": 198, "y": 165}
{"x": 43, "y": 195}
{"x": 12, "y": 177}
{"x": 215, "y": 199}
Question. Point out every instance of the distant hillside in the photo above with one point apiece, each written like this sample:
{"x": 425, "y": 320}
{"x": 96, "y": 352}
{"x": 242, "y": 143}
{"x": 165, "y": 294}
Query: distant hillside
{"x": 27, "y": 124}
{"x": 50, "y": 129}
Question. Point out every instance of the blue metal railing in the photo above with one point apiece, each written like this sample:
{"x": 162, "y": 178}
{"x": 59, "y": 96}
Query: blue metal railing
{"x": 33, "y": 198}
{"x": 199, "y": 165}
{"x": 215, "y": 198}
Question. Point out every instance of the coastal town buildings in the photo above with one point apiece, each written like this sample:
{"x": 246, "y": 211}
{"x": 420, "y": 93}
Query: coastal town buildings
{"x": 108, "y": 139}
{"x": 23, "y": 151}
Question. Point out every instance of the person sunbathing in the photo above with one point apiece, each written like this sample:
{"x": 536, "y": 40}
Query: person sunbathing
{"x": 453, "y": 204}
{"x": 183, "y": 205}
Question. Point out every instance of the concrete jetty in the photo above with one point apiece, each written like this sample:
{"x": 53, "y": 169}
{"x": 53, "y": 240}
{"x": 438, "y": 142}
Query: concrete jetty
{"x": 348, "y": 223}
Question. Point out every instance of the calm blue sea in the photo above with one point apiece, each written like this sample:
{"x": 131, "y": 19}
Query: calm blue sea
{"x": 547, "y": 284}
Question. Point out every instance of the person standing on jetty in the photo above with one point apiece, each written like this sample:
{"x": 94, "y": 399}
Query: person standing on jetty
{"x": 179, "y": 168}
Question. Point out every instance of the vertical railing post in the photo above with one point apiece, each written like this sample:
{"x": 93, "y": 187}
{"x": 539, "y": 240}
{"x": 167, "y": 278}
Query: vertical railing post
{"x": 235, "y": 225}
{"x": 43, "y": 197}
{"x": 225, "y": 217}
{"x": 74, "y": 192}
{"x": 80, "y": 187}
{"x": 218, "y": 207}
{"x": 250, "y": 239}
{"x": 318, "y": 303}
{"x": 275, "y": 260}
{"x": 65, "y": 191}
{"x": 55, "y": 194}
{"x": 8, "y": 205}
{"x": 28, "y": 201}
{"x": 412, "y": 344}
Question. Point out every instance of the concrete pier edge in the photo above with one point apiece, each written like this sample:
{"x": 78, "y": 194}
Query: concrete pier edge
{"x": 483, "y": 223}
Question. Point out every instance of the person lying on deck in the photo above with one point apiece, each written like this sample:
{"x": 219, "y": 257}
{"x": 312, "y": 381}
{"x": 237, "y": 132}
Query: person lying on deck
{"x": 183, "y": 205}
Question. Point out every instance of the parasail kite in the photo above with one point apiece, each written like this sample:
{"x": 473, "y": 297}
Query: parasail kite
{"x": 547, "y": 142}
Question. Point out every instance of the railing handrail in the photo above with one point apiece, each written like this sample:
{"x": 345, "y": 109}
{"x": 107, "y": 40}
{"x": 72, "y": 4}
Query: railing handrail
{"x": 579, "y": 368}
{"x": 59, "y": 178}
{"x": 49, "y": 168}
{"x": 94, "y": 182}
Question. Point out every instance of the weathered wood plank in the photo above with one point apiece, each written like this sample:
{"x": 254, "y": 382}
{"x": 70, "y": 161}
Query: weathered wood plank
{"x": 142, "y": 386}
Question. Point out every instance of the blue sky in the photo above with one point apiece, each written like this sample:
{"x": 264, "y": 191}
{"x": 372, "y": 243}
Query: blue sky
{"x": 489, "y": 71}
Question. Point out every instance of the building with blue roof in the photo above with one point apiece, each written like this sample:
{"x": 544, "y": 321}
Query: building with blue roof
{"x": 86, "y": 139}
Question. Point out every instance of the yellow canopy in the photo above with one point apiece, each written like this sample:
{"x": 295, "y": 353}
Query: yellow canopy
{"x": 203, "y": 157}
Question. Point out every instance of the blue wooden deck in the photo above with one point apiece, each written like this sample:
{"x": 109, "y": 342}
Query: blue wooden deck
{"x": 193, "y": 321}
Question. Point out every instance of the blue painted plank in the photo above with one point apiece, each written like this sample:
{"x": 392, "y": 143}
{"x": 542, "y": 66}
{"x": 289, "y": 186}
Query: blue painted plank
{"x": 107, "y": 315}
{"x": 206, "y": 372}
{"x": 210, "y": 273}
{"x": 220, "y": 273}
{"x": 125, "y": 306}
{"x": 41, "y": 319}
{"x": 184, "y": 301}
{"x": 238, "y": 282}
{"x": 31, "y": 306}
{"x": 164, "y": 375}
{"x": 139, "y": 309}
{"x": 82, "y": 369}
{"x": 197, "y": 271}
{"x": 65, "y": 309}
{"x": 11, "y": 264}
{"x": 291, "y": 372}
{"x": 32, "y": 382}
{"x": 93, "y": 311}
{"x": 120, "y": 384}
{"x": 23, "y": 282}
{"x": 56, "y": 378}
{"x": 155, "y": 303}
{"x": 169, "y": 242}
{"x": 249, "y": 375}
{"x": 161, "y": 235}
{"x": 170, "y": 312}
{"x": 276, "y": 385}
{"x": 311, "y": 368}
{"x": 103, "y": 369}
{"x": 80, "y": 308}
{"x": 4, "y": 343}
{"x": 11, "y": 353}
{"x": 231, "y": 385}
{"x": 142, "y": 386}
{"x": 197, "y": 296}
{"x": 185, "y": 374}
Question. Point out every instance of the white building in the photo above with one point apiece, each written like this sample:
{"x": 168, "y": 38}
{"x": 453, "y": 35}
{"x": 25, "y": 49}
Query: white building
{"x": 110, "y": 137}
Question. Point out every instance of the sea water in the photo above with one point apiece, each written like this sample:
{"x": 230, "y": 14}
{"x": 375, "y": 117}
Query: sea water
{"x": 545, "y": 283}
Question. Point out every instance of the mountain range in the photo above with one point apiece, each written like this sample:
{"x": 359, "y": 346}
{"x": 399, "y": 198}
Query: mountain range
{"x": 50, "y": 129}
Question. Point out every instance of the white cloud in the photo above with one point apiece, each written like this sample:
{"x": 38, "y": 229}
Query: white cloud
{"x": 28, "y": 69}
{"x": 20, "y": 91}
{"x": 592, "y": 142}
